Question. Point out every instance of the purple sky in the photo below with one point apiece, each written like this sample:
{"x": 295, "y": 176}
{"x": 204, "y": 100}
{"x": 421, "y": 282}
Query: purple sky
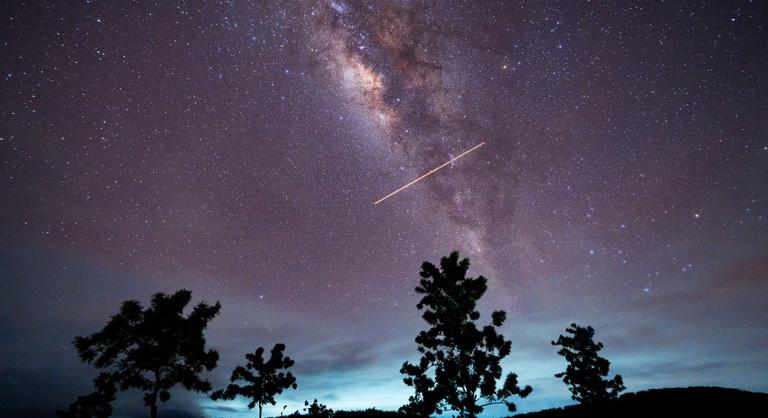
{"x": 236, "y": 148}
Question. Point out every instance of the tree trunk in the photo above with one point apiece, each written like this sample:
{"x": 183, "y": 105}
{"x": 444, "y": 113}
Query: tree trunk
{"x": 259, "y": 409}
{"x": 153, "y": 405}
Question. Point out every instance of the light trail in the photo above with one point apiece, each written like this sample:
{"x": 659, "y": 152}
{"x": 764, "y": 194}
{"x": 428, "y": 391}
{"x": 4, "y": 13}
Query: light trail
{"x": 429, "y": 173}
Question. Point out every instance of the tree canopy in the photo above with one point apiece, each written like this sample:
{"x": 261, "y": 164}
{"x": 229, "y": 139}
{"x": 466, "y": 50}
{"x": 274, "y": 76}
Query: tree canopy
{"x": 152, "y": 349}
{"x": 460, "y": 363}
{"x": 586, "y": 368}
{"x": 270, "y": 378}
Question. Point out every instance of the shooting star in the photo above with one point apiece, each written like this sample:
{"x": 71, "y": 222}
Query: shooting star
{"x": 429, "y": 173}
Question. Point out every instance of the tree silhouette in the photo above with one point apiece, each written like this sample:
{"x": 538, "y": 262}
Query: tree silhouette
{"x": 316, "y": 409}
{"x": 460, "y": 363}
{"x": 270, "y": 378}
{"x": 151, "y": 349}
{"x": 586, "y": 369}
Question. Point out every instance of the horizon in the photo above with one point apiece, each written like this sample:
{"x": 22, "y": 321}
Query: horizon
{"x": 289, "y": 160}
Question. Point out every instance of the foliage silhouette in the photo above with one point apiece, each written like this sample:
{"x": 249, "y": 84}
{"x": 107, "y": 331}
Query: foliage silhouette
{"x": 270, "y": 378}
{"x": 316, "y": 409}
{"x": 586, "y": 369}
{"x": 151, "y": 349}
{"x": 94, "y": 405}
{"x": 460, "y": 363}
{"x": 366, "y": 413}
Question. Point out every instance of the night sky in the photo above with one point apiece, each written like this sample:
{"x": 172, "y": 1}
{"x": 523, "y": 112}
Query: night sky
{"x": 236, "y": 148}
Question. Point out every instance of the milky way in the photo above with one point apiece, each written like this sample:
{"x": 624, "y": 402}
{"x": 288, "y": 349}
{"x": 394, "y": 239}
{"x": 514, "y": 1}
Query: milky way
{"x": 235, "y": 149}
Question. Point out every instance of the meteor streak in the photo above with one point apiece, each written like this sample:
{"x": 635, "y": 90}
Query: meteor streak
{"x": 429, "y": 173}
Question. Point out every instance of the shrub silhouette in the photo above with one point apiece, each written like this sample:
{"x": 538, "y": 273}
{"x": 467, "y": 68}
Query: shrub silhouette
{"x": 316, "y": 409}
{"x": 270, "y": 378}
{"x": 586, "y": 369}
{"x": 151, "y": 349}
{"x": 459, "y": 366}
{"x": 365, "y": 413}
{"x": 370, "y": 413}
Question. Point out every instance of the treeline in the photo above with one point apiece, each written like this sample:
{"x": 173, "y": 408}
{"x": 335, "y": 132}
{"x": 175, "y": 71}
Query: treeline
{"x": 157, "y": 348}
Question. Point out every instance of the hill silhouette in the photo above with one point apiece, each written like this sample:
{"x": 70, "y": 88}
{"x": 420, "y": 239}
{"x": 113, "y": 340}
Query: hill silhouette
{"x": 672, "y": 402}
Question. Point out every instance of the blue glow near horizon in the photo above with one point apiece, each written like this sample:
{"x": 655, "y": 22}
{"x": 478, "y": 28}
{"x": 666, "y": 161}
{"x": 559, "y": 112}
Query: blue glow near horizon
{"x": 380, "y": 387}
{"x": 663, "y": 357}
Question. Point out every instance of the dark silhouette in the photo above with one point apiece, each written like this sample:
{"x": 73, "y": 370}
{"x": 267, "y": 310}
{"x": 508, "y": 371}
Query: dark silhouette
{"x": 150, "y": 349}
{"x": 459, "y": 366}
{"x": 270, "y": 378}
{"x": 97, "y": 404}
{"x": 367, "y": 413}
{"x": 586, "y": 369}
{"x": 316, "y": 409}
{"x": 676, "y": 402}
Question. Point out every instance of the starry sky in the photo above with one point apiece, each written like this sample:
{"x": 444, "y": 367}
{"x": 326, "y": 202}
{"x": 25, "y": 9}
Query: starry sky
{"x": 235, "y": 148}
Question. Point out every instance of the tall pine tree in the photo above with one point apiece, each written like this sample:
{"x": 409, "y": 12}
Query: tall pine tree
{"x": 460, "y": 363}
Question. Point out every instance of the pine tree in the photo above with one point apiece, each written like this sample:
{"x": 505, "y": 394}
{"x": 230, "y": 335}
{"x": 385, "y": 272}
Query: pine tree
{"x": 586, "y": 369}
{"x": 460, "y": 364}
{"x": 151, "y": 349}
{"x": 270, "y": 378}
